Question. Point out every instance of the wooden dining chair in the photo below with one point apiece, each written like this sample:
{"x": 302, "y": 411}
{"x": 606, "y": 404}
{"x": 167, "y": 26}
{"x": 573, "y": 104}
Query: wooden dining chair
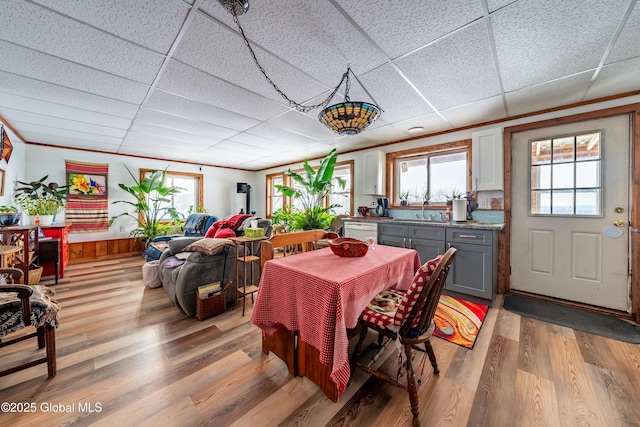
{"x": 406, "y": 317}
{"x": 22, "y": 306}
{"x": 291, "y": 243}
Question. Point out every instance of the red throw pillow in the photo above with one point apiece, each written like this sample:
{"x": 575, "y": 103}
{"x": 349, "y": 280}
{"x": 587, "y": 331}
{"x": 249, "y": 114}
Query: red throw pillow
{"x": 211, "y": 232}
{"x": 224, "y": 233}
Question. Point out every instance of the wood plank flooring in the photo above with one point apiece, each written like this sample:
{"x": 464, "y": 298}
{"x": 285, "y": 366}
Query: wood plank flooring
{"x": 128, "y": 357}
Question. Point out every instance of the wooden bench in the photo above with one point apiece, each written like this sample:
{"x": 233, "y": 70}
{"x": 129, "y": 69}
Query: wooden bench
{"x": 292, "y": 243}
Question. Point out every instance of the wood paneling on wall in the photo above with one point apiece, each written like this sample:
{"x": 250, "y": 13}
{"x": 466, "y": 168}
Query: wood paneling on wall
{"x": 105, "y": 249}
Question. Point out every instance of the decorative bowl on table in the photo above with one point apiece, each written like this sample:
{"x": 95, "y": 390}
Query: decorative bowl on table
{"x": 254, "y": 233}
{"x": 348, "y": 247}
{"x": 8, "y": 219}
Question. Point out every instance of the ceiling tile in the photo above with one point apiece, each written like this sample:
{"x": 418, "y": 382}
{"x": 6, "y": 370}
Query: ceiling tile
{"x": 313, "y": 35}
{"x": 281, "y": 136}
{"x": 51, "y": 109}
{"x": 164, "y": 144}
{"x": 39, "y": 66}
{"x": 179, "y": 106}
{"x": 548, "y": 95}
{"x": 415, "y": 23}
{"x": 38, "y": 90}
{"x": 481, "y": 111}
{"x": 63, "y": 137}
{"x": 170, "y": 121}
{"x": 392, "y": 94}
{"x": 627, "y": 45}
{"x": 616, "y": 78}
{"x": 430, "y": 122}
{"x": 59, "y": 123}
{"x": 304, "y": 124}
{"x": 539, "y": 41}
{"x": 186, "y": 81}
{"x": 494, "y": 5}
{"x": 216, "y": 50}
{"x": 456, "y": 70}
{"x": 69, "y": 39}
{"x": 149, "y": 23}
{"x": 177, "y": 136}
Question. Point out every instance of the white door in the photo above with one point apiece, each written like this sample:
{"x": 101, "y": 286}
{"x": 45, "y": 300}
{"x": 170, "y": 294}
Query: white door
{"x": 570, "y": 212}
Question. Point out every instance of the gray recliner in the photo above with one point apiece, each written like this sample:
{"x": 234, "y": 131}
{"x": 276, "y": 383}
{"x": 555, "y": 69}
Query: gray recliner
{"x": 181, "y": 282}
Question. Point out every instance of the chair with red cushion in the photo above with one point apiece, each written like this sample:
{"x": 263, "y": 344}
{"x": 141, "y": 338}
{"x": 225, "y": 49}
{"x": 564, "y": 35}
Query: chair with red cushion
{"x": 407, "y": 317}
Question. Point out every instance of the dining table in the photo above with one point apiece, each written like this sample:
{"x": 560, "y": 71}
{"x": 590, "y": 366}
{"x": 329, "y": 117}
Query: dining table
{"x": 306, "y": 303}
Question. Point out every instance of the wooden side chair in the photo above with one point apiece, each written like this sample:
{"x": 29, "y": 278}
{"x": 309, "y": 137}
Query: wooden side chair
{"x": 292, "y": 243}
{"x": 406, "y": 317}
{"x": 22, "y": 306}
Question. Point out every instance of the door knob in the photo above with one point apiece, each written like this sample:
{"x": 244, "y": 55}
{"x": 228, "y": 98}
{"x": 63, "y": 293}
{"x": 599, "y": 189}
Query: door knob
{"x": 619, "y": 223}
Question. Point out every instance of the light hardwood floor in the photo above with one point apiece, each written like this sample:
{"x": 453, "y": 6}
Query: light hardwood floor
{"x": 128, "y": 357}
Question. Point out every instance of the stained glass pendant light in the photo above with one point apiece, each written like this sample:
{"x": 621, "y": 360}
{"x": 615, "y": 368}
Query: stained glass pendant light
{"x": 344, "y": 118}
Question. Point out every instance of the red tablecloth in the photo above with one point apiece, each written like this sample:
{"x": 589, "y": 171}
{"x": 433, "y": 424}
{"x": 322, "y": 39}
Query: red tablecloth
{"x": 321, "y": 294}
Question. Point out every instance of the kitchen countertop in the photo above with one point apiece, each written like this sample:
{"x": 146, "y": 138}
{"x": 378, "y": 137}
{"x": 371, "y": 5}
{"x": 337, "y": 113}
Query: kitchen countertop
{"x": 467, "y": 224}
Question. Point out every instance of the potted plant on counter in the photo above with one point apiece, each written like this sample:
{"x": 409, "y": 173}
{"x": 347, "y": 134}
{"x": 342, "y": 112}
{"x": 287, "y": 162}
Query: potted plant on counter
{"x": 9, "y": 216}
{"x": 404, "y": 197}
{"x": 41, "y": 200}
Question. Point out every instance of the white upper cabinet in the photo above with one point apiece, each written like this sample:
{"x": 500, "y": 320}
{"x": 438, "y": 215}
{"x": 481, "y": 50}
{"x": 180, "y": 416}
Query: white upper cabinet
{"x": 375, "y": 173}
{"x": 488, "y": 165}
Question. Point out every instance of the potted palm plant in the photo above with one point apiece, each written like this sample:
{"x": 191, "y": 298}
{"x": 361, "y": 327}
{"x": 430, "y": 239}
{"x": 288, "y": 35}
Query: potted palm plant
{"x": 152, "y": 205}
{"x": 40, "y": 200}
{"x": 313, "y": 186}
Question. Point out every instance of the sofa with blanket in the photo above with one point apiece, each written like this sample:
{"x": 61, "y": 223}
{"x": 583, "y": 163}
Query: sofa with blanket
{"x": 196, "y": 225}
{"x": 207, "y": 260}
{"x": 204, "y": 260}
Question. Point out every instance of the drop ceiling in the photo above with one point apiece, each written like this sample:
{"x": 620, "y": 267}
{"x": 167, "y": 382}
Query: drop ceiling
{"x": 173, "y": 79}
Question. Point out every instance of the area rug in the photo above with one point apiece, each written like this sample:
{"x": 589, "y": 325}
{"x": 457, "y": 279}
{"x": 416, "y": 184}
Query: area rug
{"x": 572, "y": 317}
{"x": 459, "y": 321}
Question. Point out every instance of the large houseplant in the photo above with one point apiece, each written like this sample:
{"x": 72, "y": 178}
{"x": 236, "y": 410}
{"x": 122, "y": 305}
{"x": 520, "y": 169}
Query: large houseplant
{"x": 313, "y": 187}
{"x": 38, "y": 198}
{"x": 152, "y": 205}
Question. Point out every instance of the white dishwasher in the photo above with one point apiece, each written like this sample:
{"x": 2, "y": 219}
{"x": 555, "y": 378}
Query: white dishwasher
{"x": 361, "y": 230}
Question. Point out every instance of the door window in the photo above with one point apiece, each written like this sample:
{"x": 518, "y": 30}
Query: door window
{"x": 565, "y": 176}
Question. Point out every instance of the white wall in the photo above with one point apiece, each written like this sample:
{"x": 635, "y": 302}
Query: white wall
{"x": 220, "y": 197}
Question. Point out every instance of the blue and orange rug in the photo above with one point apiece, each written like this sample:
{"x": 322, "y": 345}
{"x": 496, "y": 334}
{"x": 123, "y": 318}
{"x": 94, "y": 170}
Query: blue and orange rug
{"x": 459, "y": 321}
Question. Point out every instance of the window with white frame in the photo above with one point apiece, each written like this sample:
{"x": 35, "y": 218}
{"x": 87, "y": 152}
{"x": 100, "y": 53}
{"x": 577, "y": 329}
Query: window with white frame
{"x": 565, "y": 176}
{"x": 431, "y": 174}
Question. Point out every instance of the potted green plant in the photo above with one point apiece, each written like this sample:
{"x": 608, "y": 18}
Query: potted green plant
{"x": 152, "y": 205}
{"x": 282, "y": 219}
{"x": 313, "y": 186}
{"x": 41, "y": 200}
{"x": 404, "y": 197}
{"x": 454, "y": 195}
{"x": 9, "y": 215}
{"x": 426, "y": 197}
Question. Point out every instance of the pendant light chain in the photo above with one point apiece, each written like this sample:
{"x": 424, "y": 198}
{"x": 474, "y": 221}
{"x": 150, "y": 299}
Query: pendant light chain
{"x": 293, "y": 104}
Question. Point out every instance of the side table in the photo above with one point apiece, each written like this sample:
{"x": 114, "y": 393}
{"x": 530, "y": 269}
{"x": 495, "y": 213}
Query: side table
{"x": 248, "y": 284}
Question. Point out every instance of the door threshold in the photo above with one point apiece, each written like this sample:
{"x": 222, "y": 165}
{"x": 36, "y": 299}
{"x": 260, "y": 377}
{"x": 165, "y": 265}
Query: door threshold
{"x": 617, "y": 313}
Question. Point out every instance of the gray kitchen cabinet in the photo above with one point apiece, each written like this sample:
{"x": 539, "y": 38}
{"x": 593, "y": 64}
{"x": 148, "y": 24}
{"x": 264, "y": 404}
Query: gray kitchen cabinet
{"x": 428, "y": 241}
{"x": 474, "y": 270}
{"x": 391, "y": 234}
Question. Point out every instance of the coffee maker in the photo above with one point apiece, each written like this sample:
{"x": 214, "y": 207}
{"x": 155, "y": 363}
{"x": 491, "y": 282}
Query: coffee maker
{"x": 383, "y": 207}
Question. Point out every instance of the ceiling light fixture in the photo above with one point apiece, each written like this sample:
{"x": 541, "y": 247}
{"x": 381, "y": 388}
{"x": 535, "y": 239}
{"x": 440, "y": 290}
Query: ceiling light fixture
{"x": 345, "y": 118}
{"x": 415, "y": 129}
